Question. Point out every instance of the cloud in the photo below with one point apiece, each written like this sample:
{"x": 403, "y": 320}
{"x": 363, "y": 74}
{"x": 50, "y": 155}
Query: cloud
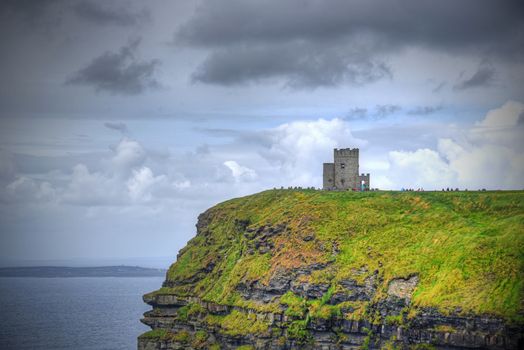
{"x": 119, "y": 73}
{"x": 322, "y": 44}
{"x": 424, "y": 110}
{"x": 507, "y": 116}
{"x": 298, "y": 149}
{"x": 299, "y": 66}
{"x": 503, "y": 125}
{"x": 25, "y": 189}
{"x": 21, "y": 188}
{"x": 102, "y": 14}
{"x": 131, "y": 176}
{"x": 31, "y": 10}
{"x": 125, "y": 181}
{"x": 484, "y": 76}
{"x": 128, "y": 154}
{"x": 357, "y": 113}
{"x": 421, "y": 168}
{"x": 142, "y": 182}
{"x": 239, "y": 172}
{"x": 486, "y": 165}
{"x": 53, "y": 12}
{"x": 489, "y": 155}
{"x": 215, "y": 25}
{"x": 118, "y": 126}
{"x": 92, "y": 188}
{"x": 382, "y": 111}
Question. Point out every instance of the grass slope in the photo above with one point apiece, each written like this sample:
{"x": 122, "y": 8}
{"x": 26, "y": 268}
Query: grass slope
{"x": 466, "y": 247}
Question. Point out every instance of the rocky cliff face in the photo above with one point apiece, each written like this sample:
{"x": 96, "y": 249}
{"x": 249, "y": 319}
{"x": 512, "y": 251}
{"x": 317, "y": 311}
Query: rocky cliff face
{"x": 317, "y": 270}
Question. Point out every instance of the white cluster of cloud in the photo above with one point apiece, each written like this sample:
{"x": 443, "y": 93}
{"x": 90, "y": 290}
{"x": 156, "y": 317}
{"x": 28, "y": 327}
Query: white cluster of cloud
{"x": 239, "y": 172}
{"x": 489, "y": 155}
{"x": 299, "y": 148}
{"x": 421, "y": 168}
{"x": 26, "y": 188}
{"x": 129, "y": 154}
{"x": 125, "y": 180}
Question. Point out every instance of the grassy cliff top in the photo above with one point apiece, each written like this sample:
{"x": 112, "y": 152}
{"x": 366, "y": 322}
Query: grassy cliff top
{"x": 467, "y": 248}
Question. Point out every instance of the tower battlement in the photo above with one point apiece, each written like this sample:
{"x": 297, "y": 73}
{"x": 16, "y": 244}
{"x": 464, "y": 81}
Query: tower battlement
{"x": 343, "y": 173}
{"x": 345, "y": 152}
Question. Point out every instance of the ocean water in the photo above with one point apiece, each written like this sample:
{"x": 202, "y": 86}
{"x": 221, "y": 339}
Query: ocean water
{"x": 73, "y": 313}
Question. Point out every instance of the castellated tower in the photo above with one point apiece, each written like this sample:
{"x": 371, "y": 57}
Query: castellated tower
{"x": 343, "y": 173}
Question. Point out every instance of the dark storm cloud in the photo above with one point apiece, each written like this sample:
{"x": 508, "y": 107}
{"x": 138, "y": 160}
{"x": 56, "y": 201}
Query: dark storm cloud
{"x": 444, "y": 24}
{"x": 98, "y": 12}
{"x": 101, "y": 13}
{"x": 122, "y": 127}
{"x": 300, "y": 65}
{"x": 318, "y": 43}
{"x": 484, "y": 76}
{"x": 424, "y": 110}
{"x": 29, "y": 9}
{"x": 45, "y": 17}
{"x": 118, "y": 73}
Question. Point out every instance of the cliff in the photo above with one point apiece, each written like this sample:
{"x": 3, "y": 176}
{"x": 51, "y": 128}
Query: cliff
{"x": 290, "y": 269}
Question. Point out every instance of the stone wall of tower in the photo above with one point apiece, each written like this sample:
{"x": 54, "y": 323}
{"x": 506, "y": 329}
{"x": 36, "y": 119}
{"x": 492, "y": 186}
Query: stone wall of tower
{"x": 328, "y": 175}
{"x": 346, "y": 169}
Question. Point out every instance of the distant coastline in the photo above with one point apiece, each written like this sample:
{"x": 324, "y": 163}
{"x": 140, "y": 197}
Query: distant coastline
{"x": 65, "y": 271}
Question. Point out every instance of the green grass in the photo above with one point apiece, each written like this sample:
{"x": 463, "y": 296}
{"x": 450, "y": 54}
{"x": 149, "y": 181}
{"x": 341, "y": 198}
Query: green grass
{"x": 240, "y": 323}
{"x": 199, "y": 340}
{"x": 297, "y": 330}
{"x": 187, "y": 311}
{"x": 466, "y": 247}
{"x": 296, "y": 305}
{"x": 319, "y": 309}
{"x": 163, "y": 334}
{"x": 156, "y": 333}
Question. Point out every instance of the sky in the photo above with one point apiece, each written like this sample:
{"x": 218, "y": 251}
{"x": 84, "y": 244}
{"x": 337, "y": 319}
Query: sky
{"x": 121, "y": 121}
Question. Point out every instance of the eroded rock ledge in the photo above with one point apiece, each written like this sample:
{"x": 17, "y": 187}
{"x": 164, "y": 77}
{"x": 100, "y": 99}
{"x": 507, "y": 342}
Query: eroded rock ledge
{"x": 190, "y": 323}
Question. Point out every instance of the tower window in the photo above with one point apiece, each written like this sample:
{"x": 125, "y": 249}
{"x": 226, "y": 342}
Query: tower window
{"x": 342, "y": 165}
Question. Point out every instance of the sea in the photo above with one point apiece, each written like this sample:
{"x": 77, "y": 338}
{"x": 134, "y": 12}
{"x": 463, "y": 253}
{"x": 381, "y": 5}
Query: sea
{"x": 73, "y": 313}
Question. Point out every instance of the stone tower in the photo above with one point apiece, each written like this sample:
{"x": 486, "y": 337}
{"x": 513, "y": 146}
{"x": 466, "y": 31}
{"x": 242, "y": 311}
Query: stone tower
{"x": 343, "y": 173}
